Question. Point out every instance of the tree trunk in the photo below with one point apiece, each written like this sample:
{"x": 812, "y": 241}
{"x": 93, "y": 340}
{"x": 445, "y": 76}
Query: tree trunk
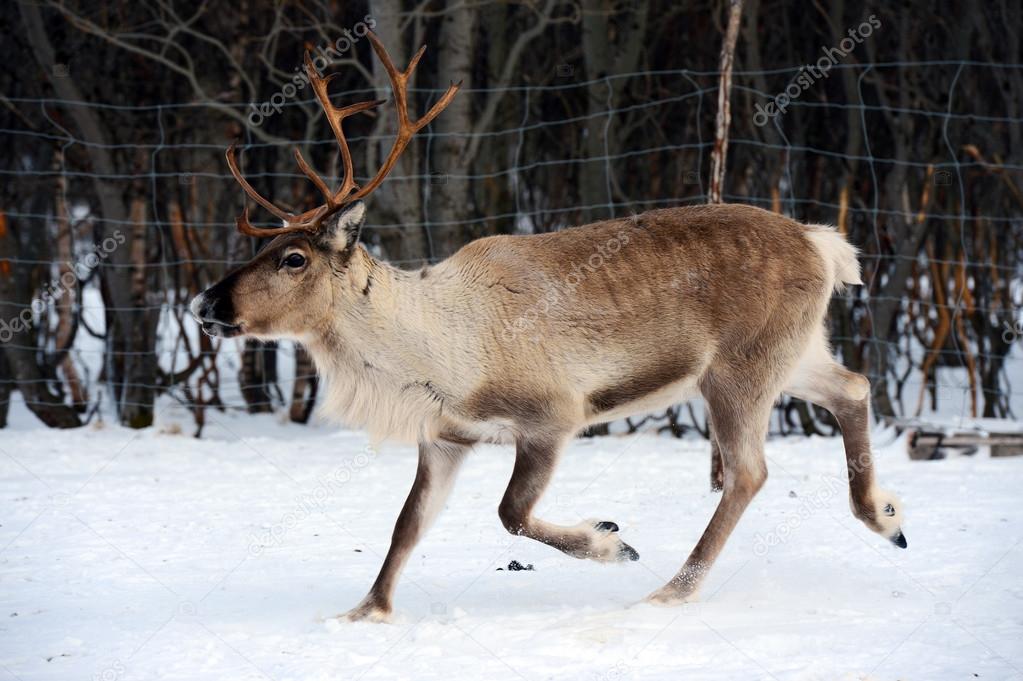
{"x": 723, "y": 120}
{"x": 130, "y": 359}
{"x": 257, "y": 377}
{"x": 399, "y": 225}
{"x": 66, "y": 319}
{"x": 303, "y": 393}
{"x": 18, "y": 337}
{"x": 450, "y": 202}
{"x": 131, "y": 338}
{"x": 6, "y": 386}
{"x": 593, "y": 181}
{"x": 606, "y": 47}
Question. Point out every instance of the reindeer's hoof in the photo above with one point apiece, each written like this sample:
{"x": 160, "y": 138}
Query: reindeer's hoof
{"x": 671, "y": 596}
{"x": 612, "y": 549}
{"x": 899, "y": 539}
{"x": 368, "y": 612}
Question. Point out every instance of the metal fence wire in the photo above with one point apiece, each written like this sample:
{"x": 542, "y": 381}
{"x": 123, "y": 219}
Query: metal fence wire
{"x": 94, "y": 300}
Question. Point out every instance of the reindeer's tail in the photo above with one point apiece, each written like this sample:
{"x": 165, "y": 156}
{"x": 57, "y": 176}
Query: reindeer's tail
{"x": 840, "y": 257}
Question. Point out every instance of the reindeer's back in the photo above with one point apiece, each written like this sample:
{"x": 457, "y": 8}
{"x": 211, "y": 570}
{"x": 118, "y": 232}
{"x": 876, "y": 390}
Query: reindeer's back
{"x": 707, "y": 263}
{"x": 658, "y": 292}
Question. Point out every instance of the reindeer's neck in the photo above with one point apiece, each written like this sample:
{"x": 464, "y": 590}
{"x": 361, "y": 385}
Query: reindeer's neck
{"x": 378, "y": 352}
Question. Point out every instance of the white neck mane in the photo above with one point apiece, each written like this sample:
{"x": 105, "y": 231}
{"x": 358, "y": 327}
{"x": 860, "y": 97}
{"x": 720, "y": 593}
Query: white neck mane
{"x": 384, "y": 356}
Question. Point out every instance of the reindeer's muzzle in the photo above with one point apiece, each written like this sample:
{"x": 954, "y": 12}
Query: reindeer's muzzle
{"x": 215, "y": 314}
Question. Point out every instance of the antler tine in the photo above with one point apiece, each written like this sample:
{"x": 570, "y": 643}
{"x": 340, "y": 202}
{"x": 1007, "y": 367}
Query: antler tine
{"x": 303, "y": 222}
{"x": 251, "y": 191}
{"x": 414, "y": 62}
{"x": 307, "y": 170}
{"x": 335, "y": 117}
{"x": 399, "y": 79}
{"x": 441, "y": 104}
{"x": 407, "y": 128}
{"x": 245, "y": 227}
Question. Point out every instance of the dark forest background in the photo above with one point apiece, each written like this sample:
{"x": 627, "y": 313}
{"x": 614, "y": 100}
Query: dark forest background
{"x": 115, "y": 116}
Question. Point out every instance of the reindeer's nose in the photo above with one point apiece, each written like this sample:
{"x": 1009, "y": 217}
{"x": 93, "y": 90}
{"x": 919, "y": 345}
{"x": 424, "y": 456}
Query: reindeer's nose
{"x": 200, "y": 307}
{"x": 213, "y": 315}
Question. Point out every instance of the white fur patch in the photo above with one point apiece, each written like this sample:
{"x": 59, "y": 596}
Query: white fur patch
{"x": 840, "y": 257}
{"x": 365, "y": 398}
{"x": 887, "y": 512}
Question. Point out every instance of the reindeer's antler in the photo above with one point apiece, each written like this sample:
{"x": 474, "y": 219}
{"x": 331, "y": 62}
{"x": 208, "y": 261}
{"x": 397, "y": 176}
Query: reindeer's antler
{"x": 311, "y": 220}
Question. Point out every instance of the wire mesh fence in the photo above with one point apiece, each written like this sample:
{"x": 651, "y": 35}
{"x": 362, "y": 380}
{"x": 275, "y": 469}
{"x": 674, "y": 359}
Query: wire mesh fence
{"x": 923, "y": 180}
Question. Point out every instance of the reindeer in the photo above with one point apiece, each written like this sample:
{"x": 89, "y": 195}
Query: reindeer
{"x": 529, "y": 339}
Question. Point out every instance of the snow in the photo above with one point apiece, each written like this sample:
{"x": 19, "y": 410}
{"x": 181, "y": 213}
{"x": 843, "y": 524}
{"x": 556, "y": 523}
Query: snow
{"x": 153, "y": 555}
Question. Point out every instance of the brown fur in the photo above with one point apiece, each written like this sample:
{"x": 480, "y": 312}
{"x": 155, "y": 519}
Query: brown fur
{"x": 528, "y": 339}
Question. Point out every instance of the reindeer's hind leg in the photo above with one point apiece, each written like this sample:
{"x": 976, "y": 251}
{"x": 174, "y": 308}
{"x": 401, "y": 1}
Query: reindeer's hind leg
{"x": 740, "y": 413}
{"x": 820, "y": 379}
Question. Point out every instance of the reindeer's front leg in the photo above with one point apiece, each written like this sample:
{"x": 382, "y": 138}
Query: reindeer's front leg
{"x": 438, "y": 464}
{"x": 535, "y": 459}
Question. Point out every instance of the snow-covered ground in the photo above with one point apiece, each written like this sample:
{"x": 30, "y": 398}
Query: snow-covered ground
{"x": 152, "y": 555}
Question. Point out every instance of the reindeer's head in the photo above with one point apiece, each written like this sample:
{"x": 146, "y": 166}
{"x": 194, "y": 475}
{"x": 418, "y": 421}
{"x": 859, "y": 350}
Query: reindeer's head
{"x": 289, "y": 289}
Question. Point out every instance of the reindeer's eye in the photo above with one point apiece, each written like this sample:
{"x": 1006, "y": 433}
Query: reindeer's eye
{"x": 294, "y": 260}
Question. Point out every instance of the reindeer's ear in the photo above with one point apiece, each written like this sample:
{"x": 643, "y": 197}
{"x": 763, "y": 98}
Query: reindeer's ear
{"x": 341, "y": 230}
